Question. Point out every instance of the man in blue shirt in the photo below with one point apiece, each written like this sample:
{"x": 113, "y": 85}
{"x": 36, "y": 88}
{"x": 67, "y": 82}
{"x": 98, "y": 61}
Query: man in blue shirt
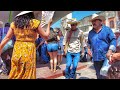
{"x": 102, "y": 42}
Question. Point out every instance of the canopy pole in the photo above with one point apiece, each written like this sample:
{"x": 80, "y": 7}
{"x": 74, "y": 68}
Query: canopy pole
{"x": 10, "y": 17}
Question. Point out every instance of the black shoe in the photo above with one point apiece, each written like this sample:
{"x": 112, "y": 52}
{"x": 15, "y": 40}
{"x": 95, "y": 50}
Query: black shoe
{"x": 58, "y": 68}
{"x": 63, "y": 73}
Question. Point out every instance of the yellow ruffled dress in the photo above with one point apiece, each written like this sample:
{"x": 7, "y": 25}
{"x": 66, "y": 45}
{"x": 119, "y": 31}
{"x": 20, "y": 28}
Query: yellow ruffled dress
{"x": 23, "y": 61}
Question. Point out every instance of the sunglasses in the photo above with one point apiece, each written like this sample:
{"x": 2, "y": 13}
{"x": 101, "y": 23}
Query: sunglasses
{"x": 96, "y": 20}
{"x": 73, "y": 24}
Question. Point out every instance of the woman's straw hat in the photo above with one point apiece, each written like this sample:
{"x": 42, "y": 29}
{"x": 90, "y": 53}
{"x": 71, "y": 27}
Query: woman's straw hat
{"x": 22, "y": 13}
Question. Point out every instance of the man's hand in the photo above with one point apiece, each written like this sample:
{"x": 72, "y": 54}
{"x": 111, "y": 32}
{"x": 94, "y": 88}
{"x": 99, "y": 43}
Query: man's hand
{"x": 109, "y": 53}
{"x": 83, "y": 50}
{"x": 89, "y": 52}
{"x": 82, "y": 54}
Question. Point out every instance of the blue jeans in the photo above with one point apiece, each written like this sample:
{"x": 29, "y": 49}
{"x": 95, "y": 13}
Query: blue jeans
{"x": 71, "y": 58}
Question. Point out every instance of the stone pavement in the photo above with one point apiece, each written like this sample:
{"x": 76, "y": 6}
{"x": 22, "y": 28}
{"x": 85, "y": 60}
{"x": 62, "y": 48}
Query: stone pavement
{"x": 85, "y": 70}
{"x": 3, "y": 77}
{"x": 85, "y": 73}
{"x": 43, "y": 71}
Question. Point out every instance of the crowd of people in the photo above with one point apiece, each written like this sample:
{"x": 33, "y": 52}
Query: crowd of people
{"x": 30, "y": 40}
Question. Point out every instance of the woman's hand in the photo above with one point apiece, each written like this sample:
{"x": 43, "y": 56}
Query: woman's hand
{"x": 0, "y": 52}
{"x": 115, "y": 57}
{"x": 50, "y": 22}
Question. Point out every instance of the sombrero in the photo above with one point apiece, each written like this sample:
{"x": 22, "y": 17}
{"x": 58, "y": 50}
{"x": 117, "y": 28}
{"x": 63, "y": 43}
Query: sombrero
{"x": 95, "y": 16}
{"x": 22, "y": 13}
{"x": 73, "y": 21}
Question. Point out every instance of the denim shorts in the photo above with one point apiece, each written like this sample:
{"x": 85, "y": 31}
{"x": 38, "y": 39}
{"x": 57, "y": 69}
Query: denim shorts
{"x": 52, "y": 47}
{"x": 60, "y": 51}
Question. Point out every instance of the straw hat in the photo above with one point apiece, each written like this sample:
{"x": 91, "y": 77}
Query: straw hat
{"x": 73, "y": 21}
{"x": 95, "y": 16}
{"x": 22, "y": 13}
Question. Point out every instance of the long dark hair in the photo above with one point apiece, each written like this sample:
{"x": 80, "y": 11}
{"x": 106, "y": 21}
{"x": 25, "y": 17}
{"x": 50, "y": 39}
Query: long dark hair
{"x": 23, "y": 21}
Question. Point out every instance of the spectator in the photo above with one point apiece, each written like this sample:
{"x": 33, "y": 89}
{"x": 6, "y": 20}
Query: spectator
{"x": 52, "y": 48}
{"x": 114, "y": 71}
{"x": 43, "y": 51}
{"x": 102, "y": 41}
{"x": 60, "y": 45}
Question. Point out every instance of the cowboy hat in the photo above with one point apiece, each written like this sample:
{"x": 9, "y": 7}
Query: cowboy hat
{"x": 95, "y": 16}
{"x": 117, "y": 31}
{"x": 22, "y": 13}
{"x": 73, "y": 21}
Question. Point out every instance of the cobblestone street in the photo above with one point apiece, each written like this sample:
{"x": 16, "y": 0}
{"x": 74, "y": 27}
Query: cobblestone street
{"x": 85, "y": 73}
{"x": 85, "y": 70}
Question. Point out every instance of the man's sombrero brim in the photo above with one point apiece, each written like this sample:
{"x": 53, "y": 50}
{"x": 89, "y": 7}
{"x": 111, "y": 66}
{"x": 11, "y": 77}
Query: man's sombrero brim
{"x": 98, "y": 17}
{"x": 22, "y": 13}
{"x": 76, "y": 22}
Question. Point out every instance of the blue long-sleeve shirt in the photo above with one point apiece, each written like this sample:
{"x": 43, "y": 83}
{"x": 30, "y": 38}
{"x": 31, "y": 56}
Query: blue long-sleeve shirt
{"x": 101, "y": 42}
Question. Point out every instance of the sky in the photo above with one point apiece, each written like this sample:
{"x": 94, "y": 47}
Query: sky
{"x": 76, "y": 14}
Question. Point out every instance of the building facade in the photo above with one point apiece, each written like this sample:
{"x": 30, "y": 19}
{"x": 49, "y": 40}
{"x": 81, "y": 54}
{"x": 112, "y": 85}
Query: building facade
{"x": 111, "y": 20}
{"x": 64, "y": 21}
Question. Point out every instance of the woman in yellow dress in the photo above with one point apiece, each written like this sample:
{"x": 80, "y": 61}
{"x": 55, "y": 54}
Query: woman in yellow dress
{"x": 25, "y": 28}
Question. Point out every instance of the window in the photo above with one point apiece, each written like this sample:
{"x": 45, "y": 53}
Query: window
{"x": 111, "y": 24}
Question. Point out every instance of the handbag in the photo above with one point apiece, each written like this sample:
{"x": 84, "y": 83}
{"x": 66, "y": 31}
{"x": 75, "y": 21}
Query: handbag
{"x": 105, "y": 67}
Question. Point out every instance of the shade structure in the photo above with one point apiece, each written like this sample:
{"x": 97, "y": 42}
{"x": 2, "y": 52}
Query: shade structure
{"x": 57, "y": 15}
